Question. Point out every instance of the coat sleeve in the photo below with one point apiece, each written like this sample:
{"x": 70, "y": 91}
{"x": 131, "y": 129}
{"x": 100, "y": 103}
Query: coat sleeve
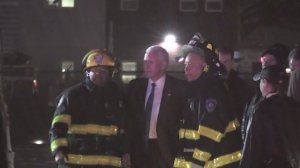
{"x": 212, "y": 126}
{"x": 59, "y": 126}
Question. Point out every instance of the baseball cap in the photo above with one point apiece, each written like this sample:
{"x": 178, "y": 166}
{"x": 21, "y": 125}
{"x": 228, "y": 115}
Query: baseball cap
{"x": 273, "y": 74}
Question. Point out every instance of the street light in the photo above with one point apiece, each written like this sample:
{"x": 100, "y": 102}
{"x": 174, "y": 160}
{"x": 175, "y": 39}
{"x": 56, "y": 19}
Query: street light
{"x": 170, "y": 38}
{"x": 170, "y": 44}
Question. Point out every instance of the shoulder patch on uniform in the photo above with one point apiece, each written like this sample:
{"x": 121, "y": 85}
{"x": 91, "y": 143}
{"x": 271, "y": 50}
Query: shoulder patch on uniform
{"x": 210, "y": 105}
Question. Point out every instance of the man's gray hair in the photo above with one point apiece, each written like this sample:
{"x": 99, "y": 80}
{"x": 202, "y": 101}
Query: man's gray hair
{"x": 163, "y": 54}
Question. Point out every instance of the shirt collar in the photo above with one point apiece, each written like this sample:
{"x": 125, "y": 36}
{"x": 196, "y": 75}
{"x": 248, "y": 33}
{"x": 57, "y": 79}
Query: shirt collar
{"x": 159, "y": 82}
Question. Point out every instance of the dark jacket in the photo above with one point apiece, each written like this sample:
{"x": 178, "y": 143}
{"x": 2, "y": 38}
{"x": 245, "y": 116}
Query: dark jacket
{"x": 239, "y": 91}
{"x": 90, "y": 120}
{"x": 249, "y": 111}
{"x": 272, "y": 135}
{"x": 208, "y": 134}
{"x": 3, "y": 158}
{"x": 171, "y": 105}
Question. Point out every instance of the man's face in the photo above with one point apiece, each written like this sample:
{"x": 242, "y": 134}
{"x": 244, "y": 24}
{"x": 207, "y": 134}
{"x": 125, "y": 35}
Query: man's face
{"x": 99, "y": 75}
{"x": 294, "y": 64}
{"x": 194, "y": 65}
{"x": 265, "y": 87}
{"x": 268, "y": 60}
{"x": 154, "y": 66}
{"x": 226, "y": 60}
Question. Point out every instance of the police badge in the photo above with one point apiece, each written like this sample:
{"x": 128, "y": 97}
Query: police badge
{"x": 210, "y": 105}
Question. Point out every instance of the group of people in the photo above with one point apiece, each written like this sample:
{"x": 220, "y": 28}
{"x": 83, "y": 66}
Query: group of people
{"x": 207, "y": 121}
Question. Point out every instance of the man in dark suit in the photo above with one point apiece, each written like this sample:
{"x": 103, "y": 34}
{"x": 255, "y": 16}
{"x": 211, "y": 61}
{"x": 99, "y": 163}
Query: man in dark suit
{"x": 155, "y": 104}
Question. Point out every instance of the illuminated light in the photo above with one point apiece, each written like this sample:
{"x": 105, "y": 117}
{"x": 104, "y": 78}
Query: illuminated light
{"x": 67, "y": 3}
{"x": 38, "y": 142}
{"x": 35, "y": 83}
{"x": 170, "y": 38}
{"x": 170, "y": 44}
{"x": 181, "y": 59}
{"x": 288, "y": 70}
{"x": 128, "y": 78}
{"x": 63, "y": 70}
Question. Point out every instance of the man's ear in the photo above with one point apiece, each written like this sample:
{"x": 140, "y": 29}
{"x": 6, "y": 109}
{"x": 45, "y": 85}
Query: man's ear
{"x": 164, "y": 65}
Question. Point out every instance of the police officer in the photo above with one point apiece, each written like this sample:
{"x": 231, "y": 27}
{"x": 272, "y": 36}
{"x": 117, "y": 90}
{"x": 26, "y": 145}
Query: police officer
{"x": 272, "y": 139}
{"x": 88, "y": 127}
{"x": 208, "y": 127}
{"x": 276, "y": 54}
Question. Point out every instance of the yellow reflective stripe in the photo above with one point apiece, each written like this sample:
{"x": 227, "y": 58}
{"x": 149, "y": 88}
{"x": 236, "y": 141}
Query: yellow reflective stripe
{"x": 201, "y": 155}
{"x": 224, "y": 160}
{"x": 64, "y": 118}
{"x": 182, "y": 163}
{"x": 210, "y": 133}
{"x": 93, "y": 129}
{"x": 181, "y": 133}
{"x": 189, "y": 134}
{"x": 232, "y": 126}
{"x": 58, "y": 143}
{"x": 94, "y": 160}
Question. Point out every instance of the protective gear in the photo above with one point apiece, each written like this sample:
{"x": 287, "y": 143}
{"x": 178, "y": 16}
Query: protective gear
{"x": 209, "y": 133}
{"x": 198, "y": 44}
{"x": 97, "y": 57}
{"x": 88, "y": 126}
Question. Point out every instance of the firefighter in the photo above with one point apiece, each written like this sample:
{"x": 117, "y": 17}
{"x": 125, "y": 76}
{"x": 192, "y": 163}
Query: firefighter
{"x": 209, "y": 135}
{"x": 88, "y": 127}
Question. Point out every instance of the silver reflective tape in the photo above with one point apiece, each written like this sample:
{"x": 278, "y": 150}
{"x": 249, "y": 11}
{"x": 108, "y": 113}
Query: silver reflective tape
{"x": 188, "y": 149}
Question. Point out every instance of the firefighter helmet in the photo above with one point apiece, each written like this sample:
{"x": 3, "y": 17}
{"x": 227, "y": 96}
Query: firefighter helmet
{"x": 198, "y": 44}
{"x": 96, "y": 57}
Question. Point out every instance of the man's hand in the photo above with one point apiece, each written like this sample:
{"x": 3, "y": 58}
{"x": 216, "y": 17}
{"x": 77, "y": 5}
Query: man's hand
{"x": 60, "y": 158}
{"x": 126, "y": 160}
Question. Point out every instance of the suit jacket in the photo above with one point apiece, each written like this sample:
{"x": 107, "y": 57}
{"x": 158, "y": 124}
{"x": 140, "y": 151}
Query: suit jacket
{"x": 171, "y": 105}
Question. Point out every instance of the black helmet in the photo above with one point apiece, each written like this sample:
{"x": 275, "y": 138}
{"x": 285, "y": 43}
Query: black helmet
{"x": 198, "y": 44}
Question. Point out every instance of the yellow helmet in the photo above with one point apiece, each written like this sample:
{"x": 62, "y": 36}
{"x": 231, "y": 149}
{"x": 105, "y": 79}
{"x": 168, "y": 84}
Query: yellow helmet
{"x": 96, "y": 57}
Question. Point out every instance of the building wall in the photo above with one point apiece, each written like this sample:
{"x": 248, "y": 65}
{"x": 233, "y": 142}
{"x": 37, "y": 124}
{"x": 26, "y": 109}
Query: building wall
{"x": 52, "y": 35}
{"x": 262, "y": 37}
{"x": 134, "y": 31}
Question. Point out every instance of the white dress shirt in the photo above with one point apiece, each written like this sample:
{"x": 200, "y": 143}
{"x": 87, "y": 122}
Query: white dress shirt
{"x": 159, "y": 85}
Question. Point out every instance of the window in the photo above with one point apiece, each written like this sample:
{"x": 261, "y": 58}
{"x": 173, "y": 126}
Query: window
{"x": 61, "y": 3}
{"x": 128, "y": 66}
{"x": 129, "y": 5}
{"x": 127, "y": 78}
{"x": 188, "y": 5}
{"x": 67, "y": 66}
{"x": 213, "y": 5}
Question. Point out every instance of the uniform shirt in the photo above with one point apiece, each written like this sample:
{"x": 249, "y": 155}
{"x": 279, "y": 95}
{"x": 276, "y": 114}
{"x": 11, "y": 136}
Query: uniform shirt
{"x": 159, "y": 85}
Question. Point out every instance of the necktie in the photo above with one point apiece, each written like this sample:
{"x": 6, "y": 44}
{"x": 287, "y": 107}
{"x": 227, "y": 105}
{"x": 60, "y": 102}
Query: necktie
{"x": 148, "y": 110}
